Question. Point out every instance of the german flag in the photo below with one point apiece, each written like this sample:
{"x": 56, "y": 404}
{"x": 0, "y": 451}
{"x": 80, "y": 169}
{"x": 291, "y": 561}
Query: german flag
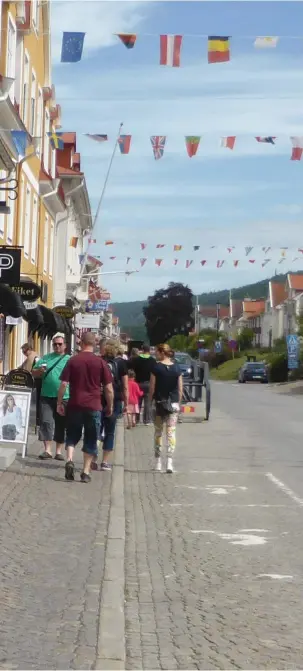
{"x": 218, "y": 49}
{"x": 128, "y": 40}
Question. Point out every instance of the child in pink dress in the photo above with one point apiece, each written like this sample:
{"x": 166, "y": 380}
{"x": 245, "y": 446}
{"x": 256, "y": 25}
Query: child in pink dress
{"x": 134, "y": 393}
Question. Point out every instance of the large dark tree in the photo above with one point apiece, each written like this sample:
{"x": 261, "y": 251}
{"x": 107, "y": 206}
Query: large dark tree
{"x": 169, "y": 312}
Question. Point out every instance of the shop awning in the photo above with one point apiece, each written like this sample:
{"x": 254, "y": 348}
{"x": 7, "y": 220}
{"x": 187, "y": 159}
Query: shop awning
{"x": 10, "y": 303}
{"x": 35, "y": 319}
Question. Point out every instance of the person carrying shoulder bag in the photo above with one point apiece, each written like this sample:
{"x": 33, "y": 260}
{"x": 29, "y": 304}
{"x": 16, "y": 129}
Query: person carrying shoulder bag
{"x": 52, "y": 425}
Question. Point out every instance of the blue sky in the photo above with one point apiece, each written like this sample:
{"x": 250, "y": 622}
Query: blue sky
{"x": 251, "y": 196}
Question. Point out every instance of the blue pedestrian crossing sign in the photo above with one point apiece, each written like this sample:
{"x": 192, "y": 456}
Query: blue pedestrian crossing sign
{"x": 293, "y": 351}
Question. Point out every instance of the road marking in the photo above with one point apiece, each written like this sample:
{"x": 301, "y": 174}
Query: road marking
{"x": 284, "y": 488}
{"x": 237, "y": 538}
{"x": 275, "y": 576}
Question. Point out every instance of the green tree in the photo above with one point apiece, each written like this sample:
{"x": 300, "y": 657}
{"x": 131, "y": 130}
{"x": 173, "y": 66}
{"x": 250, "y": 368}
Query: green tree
{"x": 245, "y": 338}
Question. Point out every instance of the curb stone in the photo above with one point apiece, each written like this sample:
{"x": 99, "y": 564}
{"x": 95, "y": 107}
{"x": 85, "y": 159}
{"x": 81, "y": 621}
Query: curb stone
{"x": 111, "y": 636}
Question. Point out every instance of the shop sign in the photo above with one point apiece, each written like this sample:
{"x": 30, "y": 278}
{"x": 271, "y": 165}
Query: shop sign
{"x": 64, "y": 311}
{"x": 27, "y": 290}
{"x": 19, "y": 378}
{"x": 87, "y": 320}
{"x": 96, "y": 306}
{"x": 10, "y": 261}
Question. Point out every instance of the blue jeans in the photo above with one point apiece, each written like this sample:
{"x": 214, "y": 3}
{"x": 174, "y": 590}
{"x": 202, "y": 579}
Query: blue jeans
{"x": 90, "y": 421}
{"x": 109, "y": 424}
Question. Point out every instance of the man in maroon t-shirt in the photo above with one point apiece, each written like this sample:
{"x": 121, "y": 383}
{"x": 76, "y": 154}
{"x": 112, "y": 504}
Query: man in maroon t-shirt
{"x": 86, "y": 374}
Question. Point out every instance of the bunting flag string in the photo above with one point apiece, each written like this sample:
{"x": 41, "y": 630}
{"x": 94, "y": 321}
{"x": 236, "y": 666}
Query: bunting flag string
{"x": 230, "y": 249}
{"x": 236, "y": 263}
{"x": 218, "y": 46}
{"x": 192, "y": 143}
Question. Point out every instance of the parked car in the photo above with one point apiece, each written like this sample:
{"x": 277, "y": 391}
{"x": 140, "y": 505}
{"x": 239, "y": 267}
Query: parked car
{"x": 186, "y": 364}
{"x": 253, "y": 371}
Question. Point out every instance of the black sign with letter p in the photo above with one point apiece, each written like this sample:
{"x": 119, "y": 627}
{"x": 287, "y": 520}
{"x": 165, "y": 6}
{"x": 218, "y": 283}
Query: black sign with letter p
{"x": 10, "y": 261}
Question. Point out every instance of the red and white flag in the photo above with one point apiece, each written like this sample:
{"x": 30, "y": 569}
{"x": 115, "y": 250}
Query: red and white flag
{"x": 158, "y": 262}
{"x": 170, "y": 50}
{"x": 297, "y": 151}
{"x": 228, "y": 142}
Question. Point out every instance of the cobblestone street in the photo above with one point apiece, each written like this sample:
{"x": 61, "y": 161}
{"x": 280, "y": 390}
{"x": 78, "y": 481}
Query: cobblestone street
{"x": 53, "y": 537}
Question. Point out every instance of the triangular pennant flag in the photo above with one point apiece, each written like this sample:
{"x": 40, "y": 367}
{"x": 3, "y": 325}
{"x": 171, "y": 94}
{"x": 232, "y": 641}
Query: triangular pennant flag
{"x": 19, "y": 138}
{"x": 196, "y": 247}
{"x": 248, "y": 250}
{"x": 266, "y": 249}
{"x": 142, "y": 261}
{"x": 283, "y": 251}
{"x": 300, "y": 250}
{"x": 236, "y": 263}
{"x": 91, "y": 240}
{"x": 160, "y": 246}
{"x": 297, "y": 143}
{"x": 281, "y": 261}
{"x": 228, "y": 142}
{"x": 73, "y": 242}
{"x": 128, "y": 260}
{"x": 93, "y": 259}
{"x": 128, "y": 40}
{"x": 158, "y": 145}
{"x": 112, "y": 258}
{"x": 252, "y": 260}
{"x": 192, "y": 144}
{"x": 265, "y": 262}
{"x": 158, "y": 262}
{"x": 266, "y": 140}
{"x": 203, "y": 262}
{"x": 188, "y": 264}
{"x": 81, "y": 259}
{"x": 230, "y": 249}
{"x": 177, "y": 248}
{"x": 97, "y": 137}
{"x": 295, "y": 259}
{"x": 72, "y": 47}
{"x": 124, "y": 143}
{"x": 220, "y": 264}
{"x": 143, "y": 245}
{"x": 170, "y": 50}
{"x": 108, "y": 242}
{"x": 175, "y": 261}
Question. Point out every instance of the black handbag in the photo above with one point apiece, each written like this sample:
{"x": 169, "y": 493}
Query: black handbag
{"x": 164, "y": 407}
{"x": 9, "y": 432}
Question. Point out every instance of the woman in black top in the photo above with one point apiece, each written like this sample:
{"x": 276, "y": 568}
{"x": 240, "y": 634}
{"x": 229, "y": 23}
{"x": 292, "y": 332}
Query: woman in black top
{"x": 166, "y": 390}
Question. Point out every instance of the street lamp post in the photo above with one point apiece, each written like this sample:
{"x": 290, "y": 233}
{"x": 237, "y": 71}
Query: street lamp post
{"x": 218, "y": 318}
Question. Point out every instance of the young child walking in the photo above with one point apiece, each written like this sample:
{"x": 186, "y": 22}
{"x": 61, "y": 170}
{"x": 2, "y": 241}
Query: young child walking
{"x": 134, "y": 393}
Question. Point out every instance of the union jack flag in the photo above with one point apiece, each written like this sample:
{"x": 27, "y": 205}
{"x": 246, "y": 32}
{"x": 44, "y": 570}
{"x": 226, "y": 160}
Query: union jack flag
{"x": 158, "y": 145}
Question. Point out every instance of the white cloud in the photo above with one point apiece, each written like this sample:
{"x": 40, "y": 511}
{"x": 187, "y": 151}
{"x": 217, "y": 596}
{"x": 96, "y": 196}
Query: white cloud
{"x": 98, "y": 19}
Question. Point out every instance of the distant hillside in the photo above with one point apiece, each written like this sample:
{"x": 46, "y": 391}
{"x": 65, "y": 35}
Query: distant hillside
{"x": 132, "y": 318}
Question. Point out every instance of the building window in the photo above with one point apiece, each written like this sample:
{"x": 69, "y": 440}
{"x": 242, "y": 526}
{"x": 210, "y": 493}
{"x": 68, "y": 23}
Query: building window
{"x": 21, "y": 212}
{"x": 35, "y": 230}
{"x": 46, "y": 142}
{"x": 51, "y": 250}
{"x": 11, "y": 54}
{"x": 35, "y": 14}
{"x": 39, "y": 121}
{"x": 27, "y": 221}
{"x": 45, "y": 251}
{"x": 25, "y": 90}
{"x": 10, "y": 223}
{"x": 33, "y": 104}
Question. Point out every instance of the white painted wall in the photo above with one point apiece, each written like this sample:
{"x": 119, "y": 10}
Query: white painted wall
{"x": 60, "y": 259}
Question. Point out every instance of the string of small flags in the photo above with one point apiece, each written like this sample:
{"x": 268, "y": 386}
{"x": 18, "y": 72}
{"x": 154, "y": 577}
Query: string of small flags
{"x": 170, "y": 46}
{"x": 178, "y": 248}
{"x": 192, "y": 142}
{"x": 219, "y": 263}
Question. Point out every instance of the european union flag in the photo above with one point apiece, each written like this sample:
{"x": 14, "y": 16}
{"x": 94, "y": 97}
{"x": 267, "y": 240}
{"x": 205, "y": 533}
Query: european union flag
{"x": 72, "y": 47}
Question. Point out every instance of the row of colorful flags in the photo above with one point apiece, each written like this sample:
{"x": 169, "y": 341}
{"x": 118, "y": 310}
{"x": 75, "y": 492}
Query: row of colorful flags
{"x": 178, "y": 248}
{"x": 192, "y": 142}
{"x": 189, "y": 262}
{"x": 218, "y": 47}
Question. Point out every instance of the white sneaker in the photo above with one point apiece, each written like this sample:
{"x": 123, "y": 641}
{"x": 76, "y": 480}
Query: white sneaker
{"x": 169, "y": 467}
{"x": 158, "y": 464}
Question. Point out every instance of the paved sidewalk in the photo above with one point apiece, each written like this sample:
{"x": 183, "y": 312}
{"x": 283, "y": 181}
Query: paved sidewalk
{"x": 214, "y": 554}
{"x": 53, "y": 541}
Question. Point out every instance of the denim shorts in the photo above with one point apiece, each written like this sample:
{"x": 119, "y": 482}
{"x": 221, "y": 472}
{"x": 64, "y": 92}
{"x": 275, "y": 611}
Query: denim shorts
{"x": 88, "y": 421}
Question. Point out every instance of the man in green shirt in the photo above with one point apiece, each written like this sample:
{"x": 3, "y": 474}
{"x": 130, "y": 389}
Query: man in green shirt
{"x": 52, "y": 425}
